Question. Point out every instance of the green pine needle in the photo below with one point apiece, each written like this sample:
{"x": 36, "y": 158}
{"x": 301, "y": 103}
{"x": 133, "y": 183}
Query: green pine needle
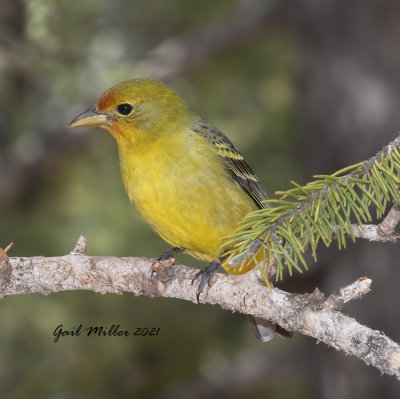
{"x": 322, "y": 210}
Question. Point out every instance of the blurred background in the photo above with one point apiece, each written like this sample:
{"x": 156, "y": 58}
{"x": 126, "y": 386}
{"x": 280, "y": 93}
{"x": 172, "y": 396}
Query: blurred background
{"x": 302, "y": 88}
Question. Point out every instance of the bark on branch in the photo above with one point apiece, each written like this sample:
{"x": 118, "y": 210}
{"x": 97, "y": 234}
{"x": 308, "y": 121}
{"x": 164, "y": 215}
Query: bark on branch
{"x": 385, "y": 231}
{"x": 311, "y": 314}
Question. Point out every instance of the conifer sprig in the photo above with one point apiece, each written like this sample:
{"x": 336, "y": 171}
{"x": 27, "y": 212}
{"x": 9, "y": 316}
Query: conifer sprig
{"x": 322, "y": 210}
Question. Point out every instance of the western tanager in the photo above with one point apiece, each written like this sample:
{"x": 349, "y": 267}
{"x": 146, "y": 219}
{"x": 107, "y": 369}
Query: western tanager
{"x": 184, "y": 176}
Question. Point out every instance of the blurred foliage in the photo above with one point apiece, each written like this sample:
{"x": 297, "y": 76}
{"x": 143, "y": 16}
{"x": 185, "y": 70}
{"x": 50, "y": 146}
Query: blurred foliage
{"x": 236, "y": 64}
{"x": 67, "y": 54}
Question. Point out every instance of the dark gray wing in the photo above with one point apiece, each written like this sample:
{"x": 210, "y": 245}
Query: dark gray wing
{"x": 238, "y": 168}
{"x": 245, "y": 178}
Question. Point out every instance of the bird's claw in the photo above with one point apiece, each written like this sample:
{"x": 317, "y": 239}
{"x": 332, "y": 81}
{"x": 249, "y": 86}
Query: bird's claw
{"x": 205, "y": 276}
{"x": 167, "y": 255}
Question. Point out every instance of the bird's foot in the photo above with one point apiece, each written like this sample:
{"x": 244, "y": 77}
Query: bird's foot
{"x": 168, "y": 255}
{"x": 205, "y": 276}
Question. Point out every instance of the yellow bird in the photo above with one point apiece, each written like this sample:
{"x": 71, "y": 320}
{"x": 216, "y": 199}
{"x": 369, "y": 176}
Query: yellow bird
{"x": 183, "y": 175}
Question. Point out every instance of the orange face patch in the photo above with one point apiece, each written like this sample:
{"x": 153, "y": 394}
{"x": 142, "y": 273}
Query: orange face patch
{"x": 107, "y": 100}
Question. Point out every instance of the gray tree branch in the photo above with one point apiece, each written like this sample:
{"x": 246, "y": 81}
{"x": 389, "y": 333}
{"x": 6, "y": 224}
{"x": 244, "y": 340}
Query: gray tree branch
{"x": 382, "y": 232}
{"x": 309, "y": 314}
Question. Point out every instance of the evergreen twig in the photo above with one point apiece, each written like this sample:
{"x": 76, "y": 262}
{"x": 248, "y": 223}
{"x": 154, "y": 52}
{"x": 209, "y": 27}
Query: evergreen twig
{"x": 322, "y": 210}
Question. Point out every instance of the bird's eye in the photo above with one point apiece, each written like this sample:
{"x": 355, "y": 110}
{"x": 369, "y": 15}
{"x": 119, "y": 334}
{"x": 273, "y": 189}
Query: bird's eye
{"x": 124, "y": 109}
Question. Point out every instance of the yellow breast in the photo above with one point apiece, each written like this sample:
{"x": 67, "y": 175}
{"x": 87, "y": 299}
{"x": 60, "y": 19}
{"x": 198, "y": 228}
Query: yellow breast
{"x": 183, "y": 190}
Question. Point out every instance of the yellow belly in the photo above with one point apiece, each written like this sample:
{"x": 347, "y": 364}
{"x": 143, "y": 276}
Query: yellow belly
{"x": 190, "y": 201}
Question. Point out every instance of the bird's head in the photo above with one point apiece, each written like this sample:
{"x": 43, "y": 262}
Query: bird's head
{"x": 136, "y": 110}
